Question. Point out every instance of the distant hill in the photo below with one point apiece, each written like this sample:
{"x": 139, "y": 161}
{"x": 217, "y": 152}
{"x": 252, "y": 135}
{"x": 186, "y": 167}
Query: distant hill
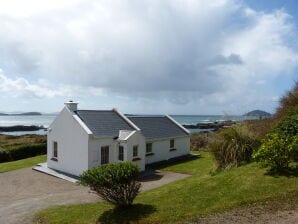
{"x": 258, "y": 113}
{"x": 30, "y": 114}
{"x": 22, "y": 114}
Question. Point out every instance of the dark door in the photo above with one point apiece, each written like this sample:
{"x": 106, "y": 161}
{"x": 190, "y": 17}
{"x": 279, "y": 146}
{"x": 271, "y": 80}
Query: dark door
{"x": 104, "y": 155}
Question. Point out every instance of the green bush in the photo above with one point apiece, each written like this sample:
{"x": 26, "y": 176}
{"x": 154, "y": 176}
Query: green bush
{"x": 13, "y": 153}
{"x": 280, "y": 148}
{"x": 233, "y": 147}
{"x": 115, "y": 182}
{"x": 293, "y": 148}
{"x": 274, "y": 152}
{"x": 288, "y": 126}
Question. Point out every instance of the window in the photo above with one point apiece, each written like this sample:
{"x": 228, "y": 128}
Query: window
{"x": 135, "y": 151}
{"x": 121, "y": 153}
{"x": 55, "y": 150}
{"x": 172, "y": 144}
{"x": 149, "y": 148}
{"x": 104, "y": 155}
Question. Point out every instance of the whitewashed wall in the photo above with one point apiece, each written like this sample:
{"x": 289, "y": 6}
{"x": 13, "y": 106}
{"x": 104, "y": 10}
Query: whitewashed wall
{"x": 137, "y": 139}
{"x": 161, "y": 149}
{"x": 72, "y": 142}
{"x": 95, "y": 144}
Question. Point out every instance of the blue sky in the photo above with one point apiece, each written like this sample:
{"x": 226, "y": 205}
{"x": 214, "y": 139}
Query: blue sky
{"x": 150, "y": 56}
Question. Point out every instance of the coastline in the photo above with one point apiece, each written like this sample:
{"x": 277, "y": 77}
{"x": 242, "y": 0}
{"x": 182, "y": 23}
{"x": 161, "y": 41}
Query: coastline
{"x": 21, "y": 125}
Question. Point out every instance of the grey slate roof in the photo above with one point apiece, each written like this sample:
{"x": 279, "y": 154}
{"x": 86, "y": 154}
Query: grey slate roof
{"x": 157, "y": 127}
{"x": 104, "y": 122}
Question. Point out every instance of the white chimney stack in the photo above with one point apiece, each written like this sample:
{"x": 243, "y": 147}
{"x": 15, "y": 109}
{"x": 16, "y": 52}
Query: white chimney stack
{"x": 72, "y": 106}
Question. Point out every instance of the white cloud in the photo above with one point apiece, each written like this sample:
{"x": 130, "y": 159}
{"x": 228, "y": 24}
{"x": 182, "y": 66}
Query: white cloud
{"x": 184, "y": 52}
{"x": 21, "y": 87}
{"x": 43, "y": 89}
{"x": 19, "y": 8}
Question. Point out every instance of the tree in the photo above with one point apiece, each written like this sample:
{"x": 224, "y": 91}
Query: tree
{"x": 115, "y": 182}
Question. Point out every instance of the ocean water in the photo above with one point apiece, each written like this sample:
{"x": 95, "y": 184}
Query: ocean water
{"x": 194, "y": 119}
{"x": 43, "y": 120}
{"x": 46, "y": 120}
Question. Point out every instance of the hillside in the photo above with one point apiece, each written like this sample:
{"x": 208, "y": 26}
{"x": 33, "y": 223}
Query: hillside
{"x": 200, "y": 194}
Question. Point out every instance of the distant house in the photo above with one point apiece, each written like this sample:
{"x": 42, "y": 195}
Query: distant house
{"x": 81, "y": 139}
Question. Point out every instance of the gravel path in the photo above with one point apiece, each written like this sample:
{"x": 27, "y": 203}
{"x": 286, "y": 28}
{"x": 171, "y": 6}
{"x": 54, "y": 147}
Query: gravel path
{"x": 273, "y": 212}
{"x": 25, "y": 191}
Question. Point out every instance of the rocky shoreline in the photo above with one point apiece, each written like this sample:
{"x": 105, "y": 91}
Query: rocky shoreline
{"x": 206, "y": 127}
{"x": 211, "y": 127}
{"x": 21, "y": 128}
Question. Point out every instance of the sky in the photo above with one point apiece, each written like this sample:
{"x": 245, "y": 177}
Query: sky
{"x": 149, "y": 56}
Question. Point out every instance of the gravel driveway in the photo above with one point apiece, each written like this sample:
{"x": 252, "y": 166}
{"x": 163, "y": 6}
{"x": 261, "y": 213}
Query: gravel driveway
{"x": 25, "y": 191}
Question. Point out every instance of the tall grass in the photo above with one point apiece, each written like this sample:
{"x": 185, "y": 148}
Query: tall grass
{"x": 234, "y": 147}
{"x": 199, "y": 141}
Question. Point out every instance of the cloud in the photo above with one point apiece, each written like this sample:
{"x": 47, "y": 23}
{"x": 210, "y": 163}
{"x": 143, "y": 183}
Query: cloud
{"x": 204, "y": 52}
{"x": 42, "y": 89}
{"x": 21, "y": 87}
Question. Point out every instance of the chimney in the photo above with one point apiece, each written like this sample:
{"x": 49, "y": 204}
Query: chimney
{"x": 72, "y": 106}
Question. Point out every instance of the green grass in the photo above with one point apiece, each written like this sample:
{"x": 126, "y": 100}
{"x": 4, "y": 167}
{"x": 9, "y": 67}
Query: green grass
{"x": 202, "y": 193}
{"x": 11, "y": 140}
{"x": 9, "y": 166}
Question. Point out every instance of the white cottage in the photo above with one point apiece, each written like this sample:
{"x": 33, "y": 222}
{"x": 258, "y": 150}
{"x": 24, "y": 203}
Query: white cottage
{"x": 81, "y": 139}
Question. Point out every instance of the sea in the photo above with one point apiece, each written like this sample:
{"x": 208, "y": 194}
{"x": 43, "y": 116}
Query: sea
{"x": 46, "y": 120}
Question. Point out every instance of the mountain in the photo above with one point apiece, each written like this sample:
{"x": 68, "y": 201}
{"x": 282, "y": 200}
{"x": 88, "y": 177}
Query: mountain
{"x": 258, "y": 113}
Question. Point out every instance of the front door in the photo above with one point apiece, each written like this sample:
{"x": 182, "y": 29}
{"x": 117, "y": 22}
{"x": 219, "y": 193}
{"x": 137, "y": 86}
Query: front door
{"x": 104, "y": 155}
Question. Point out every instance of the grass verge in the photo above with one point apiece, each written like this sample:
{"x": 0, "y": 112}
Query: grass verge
{"x": 9, "y": 166}
{"x": 201, "y": 194}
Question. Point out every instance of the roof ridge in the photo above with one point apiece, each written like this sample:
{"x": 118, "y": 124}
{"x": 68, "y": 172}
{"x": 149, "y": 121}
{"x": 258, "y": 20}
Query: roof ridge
{"x": 91, "y": 118}
{"x": 177, "y": 124}
{"x": 149, "y": 116}
{"x": 97, "y": 110}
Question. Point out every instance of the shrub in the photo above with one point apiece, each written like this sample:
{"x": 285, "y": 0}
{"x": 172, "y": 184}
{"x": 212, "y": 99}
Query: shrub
{"x": 288, "y": 102}
{"x": 198, "y": 141}
{"x": 276, "y": 152}
{"x": 293, "y": 148}
{"x": 288, "y": 126}
{"x": 115, "y": 182}
{"x": 233, "y": 147}
{"x": 280, "y": 148}
{"x": 13, "y": 153}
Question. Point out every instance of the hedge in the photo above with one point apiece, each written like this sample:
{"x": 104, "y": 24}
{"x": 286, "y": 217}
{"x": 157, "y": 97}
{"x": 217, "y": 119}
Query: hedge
{"x": 13, "y": 153}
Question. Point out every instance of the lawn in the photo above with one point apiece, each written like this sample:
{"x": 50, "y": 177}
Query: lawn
{"x": 9, "y": 166}
{"x": 201, "y": 194}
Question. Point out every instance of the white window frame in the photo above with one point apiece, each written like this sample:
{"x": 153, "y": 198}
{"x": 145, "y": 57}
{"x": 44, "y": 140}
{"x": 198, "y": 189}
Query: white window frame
{"x": 102, "y": 162}
{"x": 151, "y": 146}
{"x": 133, "y": 151}
{"x": 121, "y": 153}
{"x": 172, "y": 146}
{"x": 55, "y": 150}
